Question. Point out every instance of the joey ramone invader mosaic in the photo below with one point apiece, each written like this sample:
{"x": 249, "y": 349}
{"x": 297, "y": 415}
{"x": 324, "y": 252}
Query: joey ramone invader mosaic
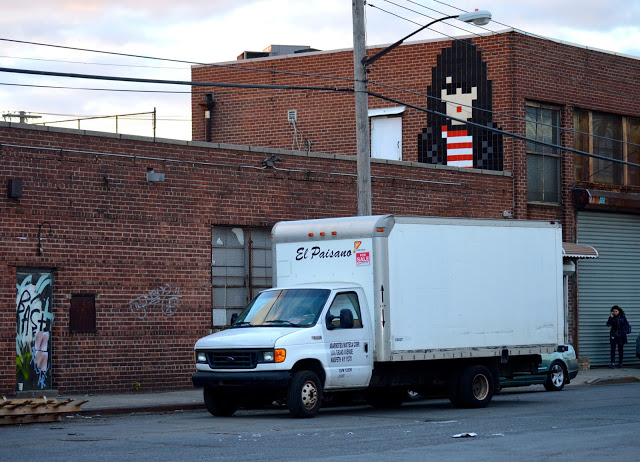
{"x": 460, "y": 89}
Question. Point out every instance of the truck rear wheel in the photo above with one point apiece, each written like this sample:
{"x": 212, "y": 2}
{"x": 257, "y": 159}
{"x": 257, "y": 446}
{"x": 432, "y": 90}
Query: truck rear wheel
{"x": 304, "y": 394}
{"x": 218, "y": 403}
{"x": 474, "y": 388}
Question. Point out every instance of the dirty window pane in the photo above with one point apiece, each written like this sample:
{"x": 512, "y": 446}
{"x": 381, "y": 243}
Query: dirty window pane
{"x": 607, "y": 131}
{"x": 633, "y": 150}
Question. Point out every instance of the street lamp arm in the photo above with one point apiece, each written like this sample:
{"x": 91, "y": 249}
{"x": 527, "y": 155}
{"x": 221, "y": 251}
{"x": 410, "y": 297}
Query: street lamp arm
{"x": 370, "y": 60}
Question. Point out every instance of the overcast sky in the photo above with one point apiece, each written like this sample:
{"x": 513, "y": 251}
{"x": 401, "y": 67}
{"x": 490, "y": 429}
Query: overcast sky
{"x": 219, "y": 30}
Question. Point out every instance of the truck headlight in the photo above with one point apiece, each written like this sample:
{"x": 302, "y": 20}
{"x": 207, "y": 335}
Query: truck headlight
{"x": 201, "y": 357}
{"x": 274, "y": 356}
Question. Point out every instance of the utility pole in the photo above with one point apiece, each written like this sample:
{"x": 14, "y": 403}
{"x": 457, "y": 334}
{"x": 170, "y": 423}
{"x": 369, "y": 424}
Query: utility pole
{"x": 362, "y": 110}
{"x": 22, "y": 115}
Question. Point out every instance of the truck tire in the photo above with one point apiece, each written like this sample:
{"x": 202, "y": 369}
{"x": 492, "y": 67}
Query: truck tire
{"x": 304, "y": 394}
{"x": 218, "y": 403}
{"x": 474, "y": 388}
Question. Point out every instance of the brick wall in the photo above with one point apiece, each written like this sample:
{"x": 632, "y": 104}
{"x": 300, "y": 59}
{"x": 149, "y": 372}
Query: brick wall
{"x": 121, "y": 238}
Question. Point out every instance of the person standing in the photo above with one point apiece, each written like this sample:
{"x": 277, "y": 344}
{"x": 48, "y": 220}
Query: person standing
{"x": 619, "y": 328}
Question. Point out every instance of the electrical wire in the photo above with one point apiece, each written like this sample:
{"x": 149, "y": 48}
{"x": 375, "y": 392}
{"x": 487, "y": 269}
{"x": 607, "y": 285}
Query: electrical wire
{"x": 171, "y": 82}
{"x": 605, "y": 89}
{"x": 227, "y": 66}
{"x": 505, "y": 133}
{"x": 606, "y": 54}
{"x": 220, "y": 65}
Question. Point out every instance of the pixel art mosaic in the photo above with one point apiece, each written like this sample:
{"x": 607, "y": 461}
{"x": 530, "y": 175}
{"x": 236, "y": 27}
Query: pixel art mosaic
{"x": 461, "y": 89}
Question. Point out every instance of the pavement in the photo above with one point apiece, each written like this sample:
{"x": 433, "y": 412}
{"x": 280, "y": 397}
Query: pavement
{"x": 189, "y": 399}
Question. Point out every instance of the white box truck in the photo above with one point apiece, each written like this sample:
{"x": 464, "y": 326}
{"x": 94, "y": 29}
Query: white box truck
{"x": 387, "y": 304}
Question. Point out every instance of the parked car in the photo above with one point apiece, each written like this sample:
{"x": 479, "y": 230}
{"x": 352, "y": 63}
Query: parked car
{"x": 555, "y": 371}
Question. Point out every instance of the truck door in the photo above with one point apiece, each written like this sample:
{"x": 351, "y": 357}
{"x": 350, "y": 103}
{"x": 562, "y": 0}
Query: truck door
{"x": 347, "y": 343}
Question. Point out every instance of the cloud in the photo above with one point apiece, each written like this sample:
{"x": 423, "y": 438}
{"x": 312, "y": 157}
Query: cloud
{"x": 219, "y": 30}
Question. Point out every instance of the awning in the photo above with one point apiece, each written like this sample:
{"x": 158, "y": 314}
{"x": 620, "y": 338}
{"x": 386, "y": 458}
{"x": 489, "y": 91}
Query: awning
{"x": 571, "y": 250}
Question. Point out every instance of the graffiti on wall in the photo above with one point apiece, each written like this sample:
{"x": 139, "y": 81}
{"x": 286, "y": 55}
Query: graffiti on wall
{"x": 164, "y": 298}
{"x": 34, "y": 320}
{"x": 461, "y": 89}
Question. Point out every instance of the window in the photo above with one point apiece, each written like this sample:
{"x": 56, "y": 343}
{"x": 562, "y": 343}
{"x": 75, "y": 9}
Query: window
{"x": 386, "y": 133}
{"x": 240, "y": 267}
{"x": 543, "y": 162}
{"x": 348, "y": 300}
{"x": 609, "y": 135}
{"x": 82, "y": 314}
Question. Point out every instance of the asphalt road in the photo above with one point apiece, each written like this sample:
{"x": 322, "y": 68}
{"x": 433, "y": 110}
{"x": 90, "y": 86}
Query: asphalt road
{"x": 582, "y": 423}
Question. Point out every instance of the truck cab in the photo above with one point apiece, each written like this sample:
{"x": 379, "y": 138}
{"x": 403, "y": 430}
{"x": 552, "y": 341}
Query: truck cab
{"x": 289, "y": 344}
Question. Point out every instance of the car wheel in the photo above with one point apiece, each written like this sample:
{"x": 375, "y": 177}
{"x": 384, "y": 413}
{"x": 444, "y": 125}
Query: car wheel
{"x": 218, "y": 403}
{"x": 557, "y": 377}
{"x": 304, "y": 394}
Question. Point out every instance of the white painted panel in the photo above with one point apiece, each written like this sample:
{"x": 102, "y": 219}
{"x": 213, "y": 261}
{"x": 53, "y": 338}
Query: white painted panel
{"x": 386, "y": 138}
{"x": 474, "y": 286}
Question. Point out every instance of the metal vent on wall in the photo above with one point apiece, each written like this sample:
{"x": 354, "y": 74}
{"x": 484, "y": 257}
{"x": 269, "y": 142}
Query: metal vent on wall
{"x": 292, "y": 115}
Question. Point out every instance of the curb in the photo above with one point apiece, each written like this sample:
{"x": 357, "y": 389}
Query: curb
{"x": 139, "y": 409}
{"x": 611, "y": 380}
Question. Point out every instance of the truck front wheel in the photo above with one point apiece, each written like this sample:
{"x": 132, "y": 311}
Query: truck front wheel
{"x": 474, "y": 388}
{"x": 304, "y": 394}
{"x": 218, "y": 403}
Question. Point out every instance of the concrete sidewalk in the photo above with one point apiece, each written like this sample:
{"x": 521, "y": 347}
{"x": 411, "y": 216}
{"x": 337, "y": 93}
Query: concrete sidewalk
{"x": 125, "y": 403}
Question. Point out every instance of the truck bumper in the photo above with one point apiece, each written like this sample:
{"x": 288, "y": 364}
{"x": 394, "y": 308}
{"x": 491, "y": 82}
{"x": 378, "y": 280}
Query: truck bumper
{"x": 274, "y": 380}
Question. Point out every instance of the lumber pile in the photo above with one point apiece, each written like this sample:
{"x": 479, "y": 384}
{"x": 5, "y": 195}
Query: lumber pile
{"x": 18, "y": 411}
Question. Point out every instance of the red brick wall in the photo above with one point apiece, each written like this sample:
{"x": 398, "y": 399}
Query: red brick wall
{"x": 119, "y": 237}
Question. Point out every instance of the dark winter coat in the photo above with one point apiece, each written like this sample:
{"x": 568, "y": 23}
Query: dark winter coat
{"x": 618, "y": 329}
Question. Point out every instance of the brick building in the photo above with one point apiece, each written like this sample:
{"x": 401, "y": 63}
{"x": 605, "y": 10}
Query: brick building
{"x": 109, "y": 275}
{"x": 118, "y": 252}
{"x": 512, "y": 84}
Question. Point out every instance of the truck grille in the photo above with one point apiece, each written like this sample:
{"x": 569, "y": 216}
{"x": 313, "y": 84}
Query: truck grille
{"x": 232, "y": 359}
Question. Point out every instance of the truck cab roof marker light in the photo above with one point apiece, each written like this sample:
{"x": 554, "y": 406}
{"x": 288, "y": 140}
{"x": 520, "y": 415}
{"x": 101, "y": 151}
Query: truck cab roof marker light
{"x": 334, "y": 233}
{"x": 322, "y": 233}
{"x": 380, "y": 230}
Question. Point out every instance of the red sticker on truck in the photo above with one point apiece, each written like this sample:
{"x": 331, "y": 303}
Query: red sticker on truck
{"x": 363, "y": 258}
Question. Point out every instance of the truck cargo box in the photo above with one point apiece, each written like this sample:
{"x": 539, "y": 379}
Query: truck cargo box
{"x": 437, "y": 288}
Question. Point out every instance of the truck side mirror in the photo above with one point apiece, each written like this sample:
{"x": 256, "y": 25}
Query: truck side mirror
{"x": 329, "y": 321}
{"x": 234, "y": 318}
{"x": 346, "y": 318}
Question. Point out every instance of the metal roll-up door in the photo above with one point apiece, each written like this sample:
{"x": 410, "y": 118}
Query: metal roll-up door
{"x": 611, "y": 279}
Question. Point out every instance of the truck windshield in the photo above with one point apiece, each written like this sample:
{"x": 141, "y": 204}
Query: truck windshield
{"x": 287, "y": 307}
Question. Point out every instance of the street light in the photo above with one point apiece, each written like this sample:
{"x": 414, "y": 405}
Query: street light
{"x": 479, "y": 18}
{"x": 361, "y": 61}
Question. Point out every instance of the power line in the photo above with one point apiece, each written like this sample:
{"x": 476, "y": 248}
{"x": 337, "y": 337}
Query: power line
{"x": 606, "y": 53}
{"x": 171, "y": 82}
{"x": 92, "y": 64}
{"x": 290, "y": 87}
{"x": 506, "y": 58}
{"x": 228, "y": 66}
{"x": 546, "y": 57}
{"x": 605, "y": 89}
{"x": 505, "y": 133}
{"x": 59, "y": 87}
